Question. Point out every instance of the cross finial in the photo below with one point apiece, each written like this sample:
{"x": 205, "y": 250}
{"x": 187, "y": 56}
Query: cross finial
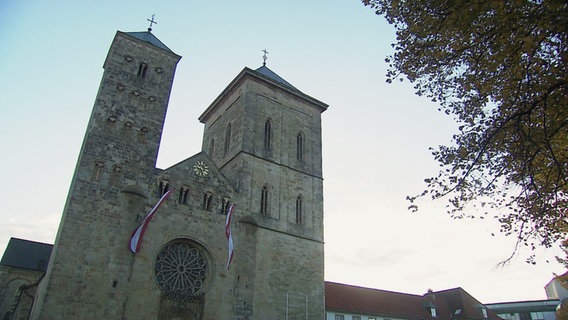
{"x": 264, "y": 57}
{"x": 152, "y": 22}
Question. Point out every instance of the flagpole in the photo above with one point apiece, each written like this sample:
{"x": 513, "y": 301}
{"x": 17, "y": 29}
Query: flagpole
{"x": 286, "y": 305}
{"x": 306, "y": 307}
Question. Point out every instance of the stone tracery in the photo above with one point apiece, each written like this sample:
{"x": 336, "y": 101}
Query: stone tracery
{"x": 181, "y": 269}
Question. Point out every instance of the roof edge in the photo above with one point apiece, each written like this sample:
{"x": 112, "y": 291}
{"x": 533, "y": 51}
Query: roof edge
{"x": 246, "y": 71}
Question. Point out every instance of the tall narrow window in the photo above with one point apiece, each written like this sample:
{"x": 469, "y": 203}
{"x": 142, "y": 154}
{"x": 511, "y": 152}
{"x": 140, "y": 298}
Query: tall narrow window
{"x": 126, "y": 129}
{"x": 226, "y": 205}
{"x": 227, "y": 138}
{"x": 142, "y": 135}
{"x": 267, "y": 135}
{"x": 264, "y": 200}
{"x": 183, "y": 193}
{"x": 433, "y": 312}
{"x": 111, "y": 121}
{"x": 98, "y": 170}
{"x": 115, "y": 176}
{"x": 299, "y": 209}
{"x": 207, "y": 200}
{"x": 211, "y": 148}
{"x": 163, "y": 187}
{"x": 300, "y": 146}
{"x": 142, "y": 68}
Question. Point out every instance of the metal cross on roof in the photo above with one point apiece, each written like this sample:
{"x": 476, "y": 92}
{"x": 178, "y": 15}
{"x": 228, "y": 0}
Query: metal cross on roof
{"x": 151, "y": 22}
{"x": 264, "y": 57}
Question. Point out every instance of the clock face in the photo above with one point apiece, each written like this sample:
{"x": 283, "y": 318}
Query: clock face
{"x": 200, "y": 169}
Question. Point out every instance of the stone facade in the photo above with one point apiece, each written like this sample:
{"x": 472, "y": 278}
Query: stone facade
{"x": 261, "y": 151}
{"x": 22, "y": 267}
{"x": 17, "y": 290}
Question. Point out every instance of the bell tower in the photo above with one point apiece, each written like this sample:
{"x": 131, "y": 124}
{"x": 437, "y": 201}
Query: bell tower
{"x": 265, "y": 136}
{"x": 89, "y": 269}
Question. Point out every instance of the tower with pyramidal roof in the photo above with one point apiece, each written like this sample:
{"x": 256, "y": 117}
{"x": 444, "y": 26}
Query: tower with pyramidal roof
{"x": 261, "y": 152}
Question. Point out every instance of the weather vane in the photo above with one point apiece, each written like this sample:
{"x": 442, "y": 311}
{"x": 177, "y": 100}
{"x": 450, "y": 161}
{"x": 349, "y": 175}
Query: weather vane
{"x": 264, "y": 57}
{"x": 151, "y": 22}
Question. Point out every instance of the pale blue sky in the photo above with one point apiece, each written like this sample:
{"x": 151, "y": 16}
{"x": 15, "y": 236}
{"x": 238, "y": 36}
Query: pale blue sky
{"x": 375, "y": 136}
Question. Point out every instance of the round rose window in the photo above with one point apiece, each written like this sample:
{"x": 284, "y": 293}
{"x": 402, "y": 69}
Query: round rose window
{"x": 181, "y": 269}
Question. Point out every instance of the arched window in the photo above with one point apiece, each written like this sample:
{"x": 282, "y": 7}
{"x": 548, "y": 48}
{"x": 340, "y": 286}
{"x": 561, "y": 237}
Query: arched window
{"x": 142, "y": 135}
{"x": 98, "y": 170}
{"x": 207, "y": 200}
{"x": 163, "y": 187}
{"x": 268, "y": 135}
{"x": 111, "y": 121}
{"x": 227, "y": 138}
{"x": 183, "y": 193}
{"x": 226, "y": 205}
{"x": 299, "y": 209}
{"x": 300, "y": 146}
{"x": 126, "y": 129}
{"x": 114, "y": 178}
{"x": 211, "y": 148}
{"x": 264, "y": 200}
{"x": 142, "y": 68}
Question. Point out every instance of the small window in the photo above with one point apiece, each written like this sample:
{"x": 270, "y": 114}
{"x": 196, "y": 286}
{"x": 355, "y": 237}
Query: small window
{"x": 430, "y": 307}
{"x": 183, "y": 193}
{"x": 142, "y": 68}
{"x": 163, "y": 187}
{"x": 98, "y": 170}
{"x": 142, "y": 135}
{"x": 433, "y": 312}
{"x": 227, "y": 138}
{"x": 339, "y": 317}
{"x": 482, "y": 310}
{"x": 268, "y": 135}
{"x": 207, "y": 200}
{"x": 264, "y": 200}
{"x": 300, "y": 146}
{"x": 299, "y": 209}
{"x": 225, "y": 206}
{"x": 115, "y": 175}
{"x": 111, "y": 121}
{"x": 126, "y": 129}
{"x": 356, "y": 318}
{"x": 537, "y": 315}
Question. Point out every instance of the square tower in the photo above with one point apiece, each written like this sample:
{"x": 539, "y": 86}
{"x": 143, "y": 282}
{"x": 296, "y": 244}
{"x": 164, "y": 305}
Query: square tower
{"x": 265, "y": 136}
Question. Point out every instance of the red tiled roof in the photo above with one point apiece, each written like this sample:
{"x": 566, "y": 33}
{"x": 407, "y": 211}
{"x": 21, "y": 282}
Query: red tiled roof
{"x": 359, "y": 300}
{"x": 450, "y": 304}
{"x": 459, "y": 299}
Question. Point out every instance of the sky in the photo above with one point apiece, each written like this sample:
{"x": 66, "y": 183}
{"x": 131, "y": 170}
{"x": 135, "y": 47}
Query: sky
{"x": 376, "y": 136}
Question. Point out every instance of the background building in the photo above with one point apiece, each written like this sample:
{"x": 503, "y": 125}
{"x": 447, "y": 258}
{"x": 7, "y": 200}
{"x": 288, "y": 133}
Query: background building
{"x": 22, "y": 266}
{"x": 345, "y": 302}
{"x": 526, "y": 310}
{"x": 554, "y": 290}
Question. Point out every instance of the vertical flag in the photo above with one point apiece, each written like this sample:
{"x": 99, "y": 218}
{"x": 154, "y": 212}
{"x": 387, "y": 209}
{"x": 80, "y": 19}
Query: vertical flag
{"x": 229, "y": 234}
{"x": 136, "y": 239}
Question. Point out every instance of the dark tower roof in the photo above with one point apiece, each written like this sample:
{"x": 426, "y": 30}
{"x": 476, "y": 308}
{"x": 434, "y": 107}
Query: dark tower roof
{"x": 265, "y": 71}
{"x": 268, "y": 76}
{"x": 26, "y": 254}
{"x": 147, "y": 36}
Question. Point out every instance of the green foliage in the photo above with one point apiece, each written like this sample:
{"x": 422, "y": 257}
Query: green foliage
{"x": 500, "y": 69}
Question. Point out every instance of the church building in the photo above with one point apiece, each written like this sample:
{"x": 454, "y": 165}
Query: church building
{"x": 261, "y": 152}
